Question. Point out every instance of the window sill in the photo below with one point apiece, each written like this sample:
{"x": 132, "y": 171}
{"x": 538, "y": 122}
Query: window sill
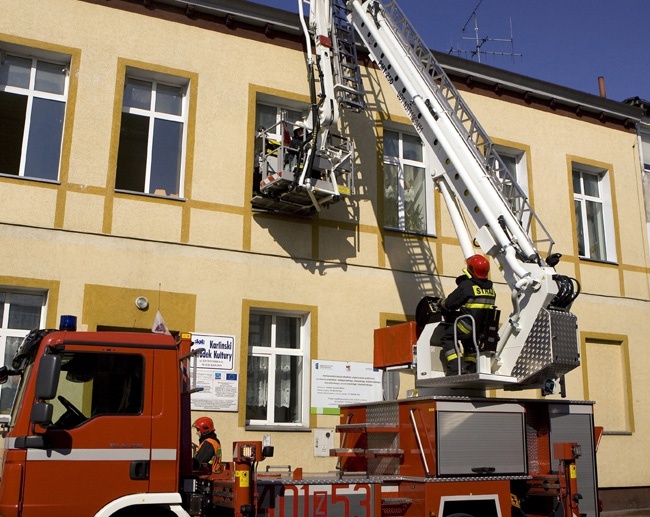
{"x": 145, "y": 194}
{"x": 409, "y": 233}
{"x": 30, "y": 178}
{"x": 617, "y": 433}
{"x": 277, "y": 428}
{"x": 597, "y": 261}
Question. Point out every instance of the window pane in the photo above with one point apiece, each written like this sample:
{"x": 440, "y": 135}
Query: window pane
{"x": 266, "y": 116}
{"x": 15, "y": 71}
{"x": 50, "y": 77}
{"x": 415, "y": 202}
{"x": 510, "y": 163}
{"x": 591, "y": 185}
{"x": 169, "y": 99}
{"x": 391, "y": 144}
{"x": 259, "y": 332}
{"x": 8, "y": 390}
{"x": 13, "y": 108}
{"x": 137, "y": 94}
{"x": 391, "y": 196}
{"x": 2, "y": 310}
{"x": 257, "y": 388}
{"x": 292, "y": 116}
{"x": 412, "y": 148}
{"x": 288, "y": 389}
{"x": 287, "y": 332}
{"x": 166, "y": 157}
{"x": 132, "y": 153}
{"x": 25, "y": 311}
{"x": 99, "y": 384}
{"x": 11, "y": 347}
{"x": 577, "y": 187}
{"x": 596, "y": 230}
{"x": 580, "y": 228}
{"x": 44, "y": 142}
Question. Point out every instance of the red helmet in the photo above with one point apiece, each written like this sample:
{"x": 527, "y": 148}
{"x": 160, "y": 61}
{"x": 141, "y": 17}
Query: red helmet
{"x": 478, "y": 266}
{"x": 204, "y": 425}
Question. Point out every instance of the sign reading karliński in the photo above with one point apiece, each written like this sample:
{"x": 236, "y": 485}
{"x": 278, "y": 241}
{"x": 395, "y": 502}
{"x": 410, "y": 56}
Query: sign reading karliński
{"x": 219, "y": 351}
{"x": 219, "y": 385}
{"x": 334, "y": 383}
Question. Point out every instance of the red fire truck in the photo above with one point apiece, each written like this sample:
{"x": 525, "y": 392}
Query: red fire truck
{"x": 108, "y": 416}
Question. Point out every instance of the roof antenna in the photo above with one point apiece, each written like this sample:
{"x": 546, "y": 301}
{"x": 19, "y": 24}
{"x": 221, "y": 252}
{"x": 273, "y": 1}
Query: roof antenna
{"x": 479, "y": 41}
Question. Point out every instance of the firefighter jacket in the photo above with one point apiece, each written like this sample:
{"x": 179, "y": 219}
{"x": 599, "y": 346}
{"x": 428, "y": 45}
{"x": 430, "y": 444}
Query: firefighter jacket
{"x": 473, "y": 296}
{"x": 209, "y": 452}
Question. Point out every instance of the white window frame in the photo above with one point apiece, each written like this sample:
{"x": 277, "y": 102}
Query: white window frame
{"x": 36, "y": 55}
{"x": 644, "y": 157}
{"x": 400, "y": 162}
{"x": 156, "y": 79}
{"x": 271, "y": 352}
{"x": 6, "y": 332}
{"x": 605, "y": 199}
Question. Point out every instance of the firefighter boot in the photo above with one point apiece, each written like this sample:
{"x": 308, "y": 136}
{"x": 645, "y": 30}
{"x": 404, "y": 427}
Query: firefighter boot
{"x": 469, "y": 363}
{"x": 451, "y": 363}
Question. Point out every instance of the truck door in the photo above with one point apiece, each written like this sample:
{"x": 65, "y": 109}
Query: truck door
{"x": 99, "y": 446}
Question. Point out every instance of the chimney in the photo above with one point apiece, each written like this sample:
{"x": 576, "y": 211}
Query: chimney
{"x": 601, "y": 87}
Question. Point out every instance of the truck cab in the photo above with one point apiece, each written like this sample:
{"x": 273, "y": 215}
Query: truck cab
{"x": 95, "y": 425}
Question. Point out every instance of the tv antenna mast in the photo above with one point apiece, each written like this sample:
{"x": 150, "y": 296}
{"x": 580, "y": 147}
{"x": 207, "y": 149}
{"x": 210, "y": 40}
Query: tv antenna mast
{"x": 479, "y": 41}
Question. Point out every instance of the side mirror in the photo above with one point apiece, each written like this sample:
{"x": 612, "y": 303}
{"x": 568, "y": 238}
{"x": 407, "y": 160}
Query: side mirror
{"x": 47, "y": 381}
{"x": 42, "y": 413}
{"x": 4, "y": 374}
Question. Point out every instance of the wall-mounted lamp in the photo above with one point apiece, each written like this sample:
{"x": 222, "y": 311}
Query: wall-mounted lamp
{"x": 142, "y": 303}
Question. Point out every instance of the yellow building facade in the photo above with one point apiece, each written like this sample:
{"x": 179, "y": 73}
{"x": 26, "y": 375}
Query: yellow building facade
{"x": 80, "y": 236}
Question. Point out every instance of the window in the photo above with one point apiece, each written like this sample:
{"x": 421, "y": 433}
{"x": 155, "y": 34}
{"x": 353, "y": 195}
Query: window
{"x": 514, "y": 161}
{"x": 20, "y": 312}
{"x": 153, "y": 128}
{"x": 645, "y": 150}
{"x": 33, "y": 95}
{"x": 592, "y": 203}
{"x": 278, "y": 366}
{"x": 94, "y": 384}
{"x": 408, "y": 196}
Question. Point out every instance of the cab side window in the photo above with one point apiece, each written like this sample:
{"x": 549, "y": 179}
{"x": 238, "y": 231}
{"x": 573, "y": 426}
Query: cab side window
{"x": 94, "y": 384}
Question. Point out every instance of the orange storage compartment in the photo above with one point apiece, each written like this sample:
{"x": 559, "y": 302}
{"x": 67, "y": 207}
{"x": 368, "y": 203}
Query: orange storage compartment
{"x": 394, "y": 345}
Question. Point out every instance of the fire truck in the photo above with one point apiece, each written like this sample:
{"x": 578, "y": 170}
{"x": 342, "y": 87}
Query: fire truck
{"x": 446, "y": 450}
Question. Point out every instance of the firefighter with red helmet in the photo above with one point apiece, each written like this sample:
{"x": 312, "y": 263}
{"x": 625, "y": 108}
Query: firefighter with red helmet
{"x": 474, "y": 296}
{"x": 209, "y": 451}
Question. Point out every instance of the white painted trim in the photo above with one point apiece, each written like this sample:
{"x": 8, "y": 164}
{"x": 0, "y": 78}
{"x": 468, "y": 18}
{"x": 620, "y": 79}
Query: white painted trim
{"x": 173, "y": 499}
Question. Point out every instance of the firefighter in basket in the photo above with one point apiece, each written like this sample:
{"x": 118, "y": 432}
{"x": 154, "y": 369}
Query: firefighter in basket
{"x": 474, "y": 296}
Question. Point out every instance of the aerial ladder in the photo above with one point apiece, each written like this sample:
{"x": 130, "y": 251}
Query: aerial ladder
{"x": 537, "y": 343}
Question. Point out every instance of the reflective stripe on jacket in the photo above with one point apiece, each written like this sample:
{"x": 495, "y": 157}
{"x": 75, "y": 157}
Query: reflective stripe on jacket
{"x": 472, "y": 296}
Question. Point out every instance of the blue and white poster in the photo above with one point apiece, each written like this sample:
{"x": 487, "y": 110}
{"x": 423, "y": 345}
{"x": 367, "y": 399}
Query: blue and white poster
{"x": 218, "y": 383}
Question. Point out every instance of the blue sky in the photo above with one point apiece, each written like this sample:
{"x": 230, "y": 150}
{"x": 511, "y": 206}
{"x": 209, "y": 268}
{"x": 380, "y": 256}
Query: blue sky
{"x": 566, "y": 42}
